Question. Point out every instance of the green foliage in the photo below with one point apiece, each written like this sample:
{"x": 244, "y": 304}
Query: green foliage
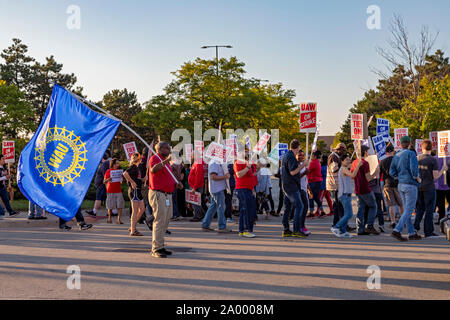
{"x": 430, "y": 113}
{"x": 198, "y": 94}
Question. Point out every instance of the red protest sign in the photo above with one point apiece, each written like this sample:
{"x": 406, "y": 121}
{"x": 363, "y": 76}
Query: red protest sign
{"x": 193, "y": 197}
{"x": 130, "y": 149}
{"x": 262, "y": 143}
{"x": 231, "y": 152}
{"x": 398, "y": 135}
{"x": 8, "y": 151}
{"x": 308, "y": 117}
{"x": 443, "y": 144}
{"x": 434, "y": 139}
{"x": 216, "y": 152}
{"x": 357, "y": 126}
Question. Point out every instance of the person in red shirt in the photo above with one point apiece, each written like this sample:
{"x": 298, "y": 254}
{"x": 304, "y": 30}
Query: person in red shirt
{"x": 315, "y": 181}
{"x": 366, "y": 197}
{"x": 196, "y": 181}
{"x": 245, "y": 174}
{"x": 114, "y": 197}
{"x": 162, "y": 185}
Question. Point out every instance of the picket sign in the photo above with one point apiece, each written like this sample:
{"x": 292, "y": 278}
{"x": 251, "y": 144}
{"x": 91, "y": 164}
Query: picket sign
{"x": 383, "y": 128}
{"x": 188, "y": 149}
{"x": 418, "y": 146}
{"x": 193, "y": 197}
{"x": 8, "y": 151}
{"x": 316, "y": 136}
{"x": 261, "y": 143}
{"x": 358, "y": 129}
{"x": 130, "y": 149}
{"x": 308, "y": 117}
{"x": 444, "y": 144}
{"x": 398, "y": 135}
{"x": 198, "y": 151}
{"x": 434, "y": 140}
{"x": 380, "y": 146}
{"x": 216, "y": 152}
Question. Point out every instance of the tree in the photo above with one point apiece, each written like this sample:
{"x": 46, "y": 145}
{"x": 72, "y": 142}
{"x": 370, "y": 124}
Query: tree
{"x": 15, "y": 112}
{"x": 198, "y": 94}
{"x": 123, "y": 105}
{"x": 429, "y": 112}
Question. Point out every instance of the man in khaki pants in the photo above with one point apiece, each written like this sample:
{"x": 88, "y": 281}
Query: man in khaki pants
{"x": 161, "y": 185}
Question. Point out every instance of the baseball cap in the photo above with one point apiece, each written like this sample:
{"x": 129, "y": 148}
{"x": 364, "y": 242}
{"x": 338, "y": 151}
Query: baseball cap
{"x": 405, "y": 139}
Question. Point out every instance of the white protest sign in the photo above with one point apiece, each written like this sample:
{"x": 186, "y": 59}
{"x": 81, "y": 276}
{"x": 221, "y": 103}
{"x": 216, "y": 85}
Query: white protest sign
{"x": 443, "y": 144}
{"x": 130, "y": 149}
{"x": 193, "y": 197}
{"x": 419, "y": 146}
{"x": 216, "y": 152}
{"x": 398, "y": 135}
{"x": 357, "y": 126}
{"x": 188, "y": 149}
{"x": 198, "y": 151}
{"x": 262, "y": 143}
{"x": 116, "y": 175}
{"x": 373, "y": 163}
{"x": 8, "y": 151}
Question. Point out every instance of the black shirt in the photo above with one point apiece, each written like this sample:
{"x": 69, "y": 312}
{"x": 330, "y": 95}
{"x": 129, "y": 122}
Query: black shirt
{"x": 135, "y": 175}
{"x": 289, "y": 163}
{"x": 427, "y": 164}
{"x": 385, "y": 166}
{"x": 3, "y": 172}
{"x": 101, "y": 171}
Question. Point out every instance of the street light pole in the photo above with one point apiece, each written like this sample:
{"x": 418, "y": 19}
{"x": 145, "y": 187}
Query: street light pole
{"x": 217, "y": 54}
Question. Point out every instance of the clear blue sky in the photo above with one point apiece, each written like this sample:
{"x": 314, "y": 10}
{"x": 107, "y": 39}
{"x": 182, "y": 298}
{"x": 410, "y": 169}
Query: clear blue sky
{"x": 321, "y": 49}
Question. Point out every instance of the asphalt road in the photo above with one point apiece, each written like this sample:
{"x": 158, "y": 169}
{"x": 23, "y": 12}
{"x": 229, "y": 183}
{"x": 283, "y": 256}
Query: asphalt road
{"x": 34, "y": 261}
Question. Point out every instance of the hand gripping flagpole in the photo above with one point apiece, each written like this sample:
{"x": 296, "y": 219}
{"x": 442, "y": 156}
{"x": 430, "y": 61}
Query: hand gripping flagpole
{"x": 127, "y": 127}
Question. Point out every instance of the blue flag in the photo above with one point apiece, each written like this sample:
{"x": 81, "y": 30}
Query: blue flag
{"x": 57, "y": 165}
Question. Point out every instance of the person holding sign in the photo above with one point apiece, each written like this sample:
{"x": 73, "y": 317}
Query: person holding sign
{"x": 405, "y": 168}
{"x": 4, "y": 175}
{"x": 366, "y": 197}
{"x": 114, "y": 198}
{"x": 426, "y": 202}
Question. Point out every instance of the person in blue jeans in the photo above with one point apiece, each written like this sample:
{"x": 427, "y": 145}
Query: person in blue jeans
{"x": 346, "y": 188}
{"x": 217, "y": 186}
{"x": 405, "y": 168}
{"x": 291, "y": 190}
{"x": 35, "y": 212}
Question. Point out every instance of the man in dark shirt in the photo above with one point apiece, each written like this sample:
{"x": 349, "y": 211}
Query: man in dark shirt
{"x": 291, "y": 190}
{"x": 426, "y": 200}
{"x": 390, "y": 189}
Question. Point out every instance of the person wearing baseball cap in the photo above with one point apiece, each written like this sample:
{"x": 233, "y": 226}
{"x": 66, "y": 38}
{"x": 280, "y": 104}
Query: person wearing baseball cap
{"x": 405, "y": 168}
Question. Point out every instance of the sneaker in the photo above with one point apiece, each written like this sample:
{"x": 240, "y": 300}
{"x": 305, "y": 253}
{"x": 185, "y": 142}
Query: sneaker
{"x": 363, "y": 233}
{"x": 432, "y": 236}
{"x": 393, "y": 225}
{"x": 381, "y": 228}
{"x": 372, "y": 230}
{"x": 287, "y": 234}
{"x": 208, "y": 229}
{"x": 299, "y": 235}
{"x": 305, "y": 231}
{"x": 415, "y": 237}
{"x": 346, "y": 235}
{"x": 65, "y": 228}
{"x": 41, "y": 218}
{"x": 230, "y": 221}
{"x": 175, "y": 219}
{"x": 166, "y": 252}
{"x": 159, "y": 254}
{"x": 241, "y": 234}
{"x": 275, "y": 214}
{"x": 85, "y": 226}
{"x": 90, "y": 212}
{"x": 13, "y": 213}
{"x": 31, "y": 217}
{"x": 224, "y": 230}
{"x": 336, "y": 232}
{"x": 248, "y": 235}
{"x": 398, "y": 236}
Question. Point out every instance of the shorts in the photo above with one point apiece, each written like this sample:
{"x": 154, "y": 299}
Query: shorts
{"x": 135, "y": 195}
{"x": 100, "y": 193}
{"x": 392, "y": 197}
{"x": 114, "y": 201}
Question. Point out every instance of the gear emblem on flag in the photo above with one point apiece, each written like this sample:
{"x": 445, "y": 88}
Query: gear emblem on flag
{"x": 60, "y": 156}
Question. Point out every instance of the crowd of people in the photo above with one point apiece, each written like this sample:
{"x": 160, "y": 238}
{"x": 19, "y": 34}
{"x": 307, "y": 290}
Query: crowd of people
{"x": 402, "y": 184}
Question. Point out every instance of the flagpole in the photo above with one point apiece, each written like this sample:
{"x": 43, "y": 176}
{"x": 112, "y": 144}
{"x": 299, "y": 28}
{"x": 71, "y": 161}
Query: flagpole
{"x": 127, "y": 127}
